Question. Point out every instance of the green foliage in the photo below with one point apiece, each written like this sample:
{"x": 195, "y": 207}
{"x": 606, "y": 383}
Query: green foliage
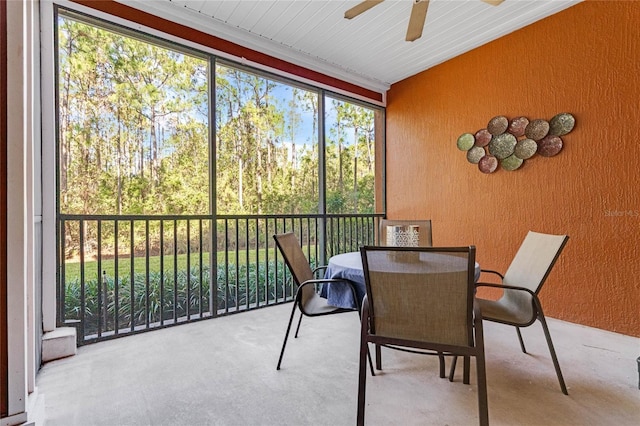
{"x": 164, "y": 299}
{"x": 134, "y": 134}
{"x": 133, "y": 119}
{"x": 135, "y": 138}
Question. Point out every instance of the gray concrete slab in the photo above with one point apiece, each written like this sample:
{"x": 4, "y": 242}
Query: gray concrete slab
{"x": 223, "y": 372}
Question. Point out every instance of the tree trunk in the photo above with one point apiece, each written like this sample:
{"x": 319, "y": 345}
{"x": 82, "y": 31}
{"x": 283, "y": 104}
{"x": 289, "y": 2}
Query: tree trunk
{"x": 119, "y": 163}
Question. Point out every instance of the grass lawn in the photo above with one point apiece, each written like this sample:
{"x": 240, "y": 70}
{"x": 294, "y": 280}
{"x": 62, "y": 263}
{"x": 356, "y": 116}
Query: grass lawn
{"x": 72, "y": 268}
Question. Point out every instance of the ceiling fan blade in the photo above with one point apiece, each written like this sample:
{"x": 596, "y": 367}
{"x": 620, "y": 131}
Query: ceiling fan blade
{"x": 416, "y": 20}
{"x": 493, "y": 2}
{"x": 360, "y": 8}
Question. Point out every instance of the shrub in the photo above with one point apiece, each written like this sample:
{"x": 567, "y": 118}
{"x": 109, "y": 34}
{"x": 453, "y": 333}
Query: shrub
{"x": 161, "y": 298}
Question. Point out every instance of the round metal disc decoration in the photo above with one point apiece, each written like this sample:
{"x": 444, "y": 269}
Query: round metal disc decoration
{"x": 550, "y": 146}
{"x": 483, "y": 137}
{"x": 525, "y": 149}
{"x": 561, "y": 124}
{"x": 503, "y": 145}
{"x": 488, "y": 164}
{"x": 511, "y": 163}
{"x": 537, "y": 129}
{"x": 498, "y": 125}
{"x": 517, "y": 126}
{"x": 465, "y": 141}
{"x": 475, "y": 154}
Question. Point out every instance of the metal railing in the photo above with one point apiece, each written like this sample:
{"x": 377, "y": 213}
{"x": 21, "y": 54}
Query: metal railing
{"x": 120, "y": 275}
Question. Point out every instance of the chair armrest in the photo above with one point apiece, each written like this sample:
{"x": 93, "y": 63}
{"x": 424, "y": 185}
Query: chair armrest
{"x": 319, "y": 268}
{"x": 316, "y": 281}
{"x": 326, "y": 280}
{"x": 509, "y": 287}
{"x": 491, "y": 271}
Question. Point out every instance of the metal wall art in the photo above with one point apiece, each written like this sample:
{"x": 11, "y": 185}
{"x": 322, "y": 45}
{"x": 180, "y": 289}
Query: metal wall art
{"x": 508, "y": 143}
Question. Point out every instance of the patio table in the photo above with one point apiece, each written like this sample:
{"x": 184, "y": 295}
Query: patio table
{"x": 348, "y": 266}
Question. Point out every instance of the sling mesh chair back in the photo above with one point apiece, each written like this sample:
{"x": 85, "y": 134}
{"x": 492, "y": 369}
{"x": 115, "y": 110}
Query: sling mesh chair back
{"x": 519, "y": 305}
{"x": 421, "y": 299}
{"x": 416, "y": 233}
{"x": 306, "y": 298}
{"x": 422, "y": 227}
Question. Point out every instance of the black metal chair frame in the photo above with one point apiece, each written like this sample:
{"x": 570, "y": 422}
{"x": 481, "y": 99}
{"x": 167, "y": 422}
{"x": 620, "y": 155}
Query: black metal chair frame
{"x": 298, "y": 302}
{"x": 428, "y": 241}
{"x": 475, "y": 347}
{"x": 538, "y": 314}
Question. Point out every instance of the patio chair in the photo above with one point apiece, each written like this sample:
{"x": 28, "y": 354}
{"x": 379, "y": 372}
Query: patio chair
{"x": 418, "y": 303}
{"x": 424, "y": 231}
{"x": 387, "y": 238}
{"x": 306, "y": 297}
{"x": 519, "y": 305}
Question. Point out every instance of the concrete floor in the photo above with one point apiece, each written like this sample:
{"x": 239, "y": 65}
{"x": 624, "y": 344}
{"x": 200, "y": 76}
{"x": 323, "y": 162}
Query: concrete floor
{"x": 222, "y": 372}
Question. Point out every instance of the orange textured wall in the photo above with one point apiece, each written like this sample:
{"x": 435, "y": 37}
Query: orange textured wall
{"x": 584, "y": 60}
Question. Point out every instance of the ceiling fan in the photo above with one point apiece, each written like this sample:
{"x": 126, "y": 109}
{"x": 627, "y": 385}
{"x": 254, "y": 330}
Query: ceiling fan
{"x": 416, "y": 20}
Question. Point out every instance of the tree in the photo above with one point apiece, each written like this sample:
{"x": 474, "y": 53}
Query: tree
{"x": 135, "y": 138}
{"x": 122, "y": 100}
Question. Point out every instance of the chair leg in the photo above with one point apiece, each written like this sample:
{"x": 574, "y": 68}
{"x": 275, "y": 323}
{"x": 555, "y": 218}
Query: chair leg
{"x": 454, "y": 361}
{"x": 373, "y": 373}
{"x": 466, "y": 370}
{"x": 362, "y": 383}
{"x": 298, "y": 327}
{"x": 442, "y": 365}
{"x": 286, "y": 336}
{"x": 483, "y": 405}
{"x": 362, "y": 370}
{"x": 378, "y": 357}
{"x": 554, "y": 358}
{"x": 520, "y": 339}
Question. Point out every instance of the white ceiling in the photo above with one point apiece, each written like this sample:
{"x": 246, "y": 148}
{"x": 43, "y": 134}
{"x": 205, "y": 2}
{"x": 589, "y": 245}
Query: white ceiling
{"x": 369, "y": 50}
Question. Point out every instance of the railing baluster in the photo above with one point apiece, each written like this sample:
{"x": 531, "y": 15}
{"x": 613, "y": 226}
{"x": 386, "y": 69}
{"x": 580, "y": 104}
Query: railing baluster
{"x": 201, "y": 273}
{"x": 101, "y": 317}
{"x": 267, "y": 257}
{"x": 237, "y": 255}
{"x": 331, "y": 238}
{"x": 83, "y": 302}
{"x": 132, "y": 275}
{"x": 175, "y": 271}
{"x": 227, "y": 256}
{"x": 147, "y": 248}
{"x": 257, "y": 274}
{"x": 116, "y": 280}
{"x": 344, "y": 234}
{"x": 355, "y": 234}
{"x": 305, "y": 230}
{"x": 224, "y": 287}
{"x": 247, "y": 294}
{"x": 355, "y": 225}
{"x": 188, "y": 303}
{"x": 247, "y": 282}
{"x": 61, "y": 302}
{"x": 356, "y": 231}
{"x": 315, "y": 238}
{"x": 161, "y": 272}
{"x": 276, "y": 256}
